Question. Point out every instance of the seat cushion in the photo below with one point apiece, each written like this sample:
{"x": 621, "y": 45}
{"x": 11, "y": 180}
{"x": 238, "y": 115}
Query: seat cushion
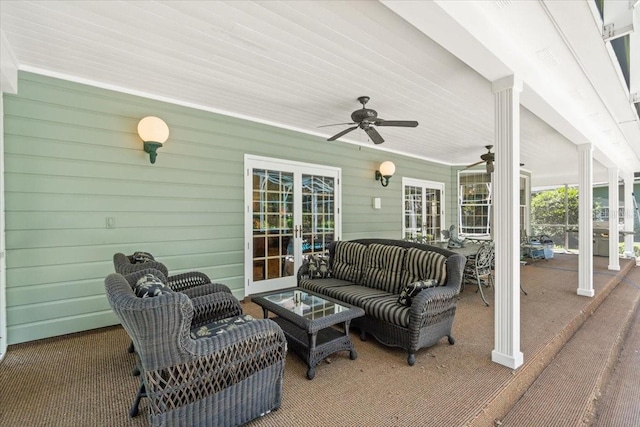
{"x": 320, "y": 285}
{"x": 349, "y": 261}
{"x": 386, "y": 308}
{"x": 353, "y": 294}
{"x": 150, "y": 286}
{"x": 220, "y": 326}
{"x": 410, "y": 290}
{"x": 422, "y": 265}
{"x": 384, "y": 268}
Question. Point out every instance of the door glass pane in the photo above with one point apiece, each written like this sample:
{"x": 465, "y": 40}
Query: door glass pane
{"x": 412, "y": 212}
{"x": 318, "y": 215}
{"x": 272, "y": 224}
{"x": 432, "y": 226}
{"x": 422, "y": 212}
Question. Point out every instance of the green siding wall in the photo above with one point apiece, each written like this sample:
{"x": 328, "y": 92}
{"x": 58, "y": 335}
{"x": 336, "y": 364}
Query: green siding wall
{"x": 73, "y": 158}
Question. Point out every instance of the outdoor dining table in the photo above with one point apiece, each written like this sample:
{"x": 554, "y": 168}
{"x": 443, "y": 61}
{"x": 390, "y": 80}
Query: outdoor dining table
{"x": 469, "y": 251}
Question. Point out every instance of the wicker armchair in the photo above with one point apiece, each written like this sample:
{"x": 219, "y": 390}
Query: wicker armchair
{"x": 184, "y": 282}
{"x": 226, "y": 379}
{"x": 208, "y": 306}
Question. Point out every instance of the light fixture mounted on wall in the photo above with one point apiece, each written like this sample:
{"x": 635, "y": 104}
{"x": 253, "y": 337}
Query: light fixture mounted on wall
{"x": 154, "y": 132}
{"x": 385, "y": 172}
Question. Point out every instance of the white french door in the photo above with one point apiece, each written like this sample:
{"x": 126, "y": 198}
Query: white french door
{"x": 292, "y": 211}
{"x": 423, "y": 210}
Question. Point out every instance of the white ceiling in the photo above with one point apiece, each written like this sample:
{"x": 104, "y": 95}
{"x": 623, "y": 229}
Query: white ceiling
{"x": 302, "y": 64}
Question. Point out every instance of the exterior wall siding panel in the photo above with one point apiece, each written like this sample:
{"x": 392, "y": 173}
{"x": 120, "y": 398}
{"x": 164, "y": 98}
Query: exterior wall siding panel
{"x": 73, "y": 159}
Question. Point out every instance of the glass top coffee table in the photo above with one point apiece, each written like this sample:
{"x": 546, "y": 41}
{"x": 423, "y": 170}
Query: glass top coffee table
{"x": 307, "y": 320}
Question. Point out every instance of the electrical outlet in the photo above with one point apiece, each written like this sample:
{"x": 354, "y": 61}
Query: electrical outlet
{"x": 111, "y": 222}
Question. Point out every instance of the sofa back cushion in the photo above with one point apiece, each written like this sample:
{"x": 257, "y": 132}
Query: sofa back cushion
{"x": 384, "y": 268}
{"x": 423, "y": 265}
{"x": 349, "y": 261}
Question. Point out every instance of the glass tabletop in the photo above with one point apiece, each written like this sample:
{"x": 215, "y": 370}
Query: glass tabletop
{"x": 304, "y": 304}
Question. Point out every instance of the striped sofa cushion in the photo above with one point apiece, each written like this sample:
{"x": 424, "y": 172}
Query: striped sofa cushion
{"x": 353, "y": 294}
{"x": 423, "y": 265}
{"x": 384, "y": 268}
{"x": 349, "y": 261}
{"x": 321, "y": 285}
{"x": 386, "y": 308}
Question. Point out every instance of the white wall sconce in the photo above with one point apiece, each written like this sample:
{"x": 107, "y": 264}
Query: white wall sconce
{"x": 154, "y": 132}
{"x": 386, "y": 171}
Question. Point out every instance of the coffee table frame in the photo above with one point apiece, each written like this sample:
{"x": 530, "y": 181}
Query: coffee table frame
{"x": 312, "y": 339}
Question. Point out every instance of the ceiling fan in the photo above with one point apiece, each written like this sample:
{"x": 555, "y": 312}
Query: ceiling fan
{"x": 487, "y": 158}
{"x": 365, "y": 119}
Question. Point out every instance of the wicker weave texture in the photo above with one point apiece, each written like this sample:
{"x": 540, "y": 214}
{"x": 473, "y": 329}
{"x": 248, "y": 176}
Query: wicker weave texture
{"x": 182, "y": 282}
{"x": 223, "y": 380}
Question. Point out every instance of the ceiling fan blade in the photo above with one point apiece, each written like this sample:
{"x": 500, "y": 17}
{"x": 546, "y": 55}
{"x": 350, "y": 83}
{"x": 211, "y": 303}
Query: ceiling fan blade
{"x": 475, "y": 164}
{"x": 337, "y": 124}
{"x": 374, "y": 135}
{"x": 400, "y": 123}
{"x": 344, "y": 132}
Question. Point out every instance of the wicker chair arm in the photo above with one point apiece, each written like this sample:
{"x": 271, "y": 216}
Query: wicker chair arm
{"x": 432, "y": 301}
{"x": 214, "y": 306}
{"x": 182, "y": 281}
{"x": 207, "y": 288}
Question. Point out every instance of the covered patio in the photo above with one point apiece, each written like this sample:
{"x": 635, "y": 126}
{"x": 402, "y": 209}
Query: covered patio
{"x": 448, "y": 386}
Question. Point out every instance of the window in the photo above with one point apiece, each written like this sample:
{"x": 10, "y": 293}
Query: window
{"x": 423, "y": 210}
{"x": 474, "y": 203}
{"x": 475, "y": 196}
{"x": 524, "y": 203}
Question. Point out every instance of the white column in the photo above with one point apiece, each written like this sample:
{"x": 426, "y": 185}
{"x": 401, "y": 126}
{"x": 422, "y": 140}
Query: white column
{"x": 629, "y": 214}
{"x": 8, "y": 84}
{"x": 614, "y": 208}
{"x": 585, "y": 220}
{"x": 506, "y": 205}
{"x": 3, "y": 263}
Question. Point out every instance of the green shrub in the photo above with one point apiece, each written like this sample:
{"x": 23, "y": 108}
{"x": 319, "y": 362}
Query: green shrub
{"x": 636, "y": 249}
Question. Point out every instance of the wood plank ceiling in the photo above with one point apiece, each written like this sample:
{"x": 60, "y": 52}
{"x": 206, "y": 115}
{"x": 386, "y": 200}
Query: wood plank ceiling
{"x": 296, "y": 64}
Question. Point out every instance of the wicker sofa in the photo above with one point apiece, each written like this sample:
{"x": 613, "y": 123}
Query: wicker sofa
{"x": 408, "y": 291}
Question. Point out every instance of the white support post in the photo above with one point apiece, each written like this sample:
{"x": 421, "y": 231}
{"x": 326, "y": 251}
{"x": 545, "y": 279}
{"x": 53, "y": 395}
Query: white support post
{"x": 585, "y": 220}
{"x": 614, "y": 208}
{"x": 8, "y": 84}
{"x": 506, "y": 204}
{"x": 3, "y": 263}
{"x": 629, "y": 215}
